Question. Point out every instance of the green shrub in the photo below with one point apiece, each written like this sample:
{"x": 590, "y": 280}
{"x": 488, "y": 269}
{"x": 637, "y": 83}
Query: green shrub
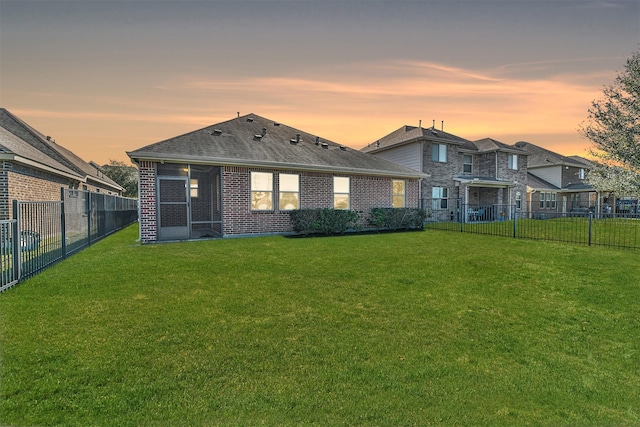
{"x": 397, "y": 218}
{"x": 325, "y": 221}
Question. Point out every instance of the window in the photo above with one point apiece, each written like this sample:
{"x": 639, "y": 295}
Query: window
{"x": 548, "y": 200}
{"x": 341, "y": 192}
{"x": 518, "y": 200}
{"x": 581, "y": 174}
{"x": 439, "y": 196}
{"x": 193, "y": 187}
{"x": 439, "y": 153}
{"x": 513, "y": 162}
{"x": 261, "y": 191}
{"x": 467, "y": 161}
{"x": 289, "y": 186}
{"x": 398, "y": 192}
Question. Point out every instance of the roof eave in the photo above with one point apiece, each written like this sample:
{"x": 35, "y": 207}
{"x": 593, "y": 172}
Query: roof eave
{"x": 37, "y": 165}
{"x": 269, "y": 164}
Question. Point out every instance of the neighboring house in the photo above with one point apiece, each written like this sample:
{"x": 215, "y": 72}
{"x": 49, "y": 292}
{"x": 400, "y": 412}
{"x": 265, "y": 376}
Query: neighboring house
{"x": 33, "y": 167}
{"x": 556, "y": 183}
{"x": 483, "y": 178}
{"x": 244, "y": 176}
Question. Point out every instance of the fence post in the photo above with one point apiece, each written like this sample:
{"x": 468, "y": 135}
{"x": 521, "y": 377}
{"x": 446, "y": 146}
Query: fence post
{"x": 63, "y": 225}
{"x": 15, "y": 247}
{"x": 590, "y": 226}
{"x": 515, "y": 227}
{"x": 88, "y": 210}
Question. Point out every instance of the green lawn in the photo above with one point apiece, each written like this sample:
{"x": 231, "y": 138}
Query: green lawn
{"x": 418, "y": 328}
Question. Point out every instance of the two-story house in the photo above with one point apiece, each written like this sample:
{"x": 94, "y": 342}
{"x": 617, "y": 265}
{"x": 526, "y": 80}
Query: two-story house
{"x": 480, "y": 179}
{"x": 556, "y": 183}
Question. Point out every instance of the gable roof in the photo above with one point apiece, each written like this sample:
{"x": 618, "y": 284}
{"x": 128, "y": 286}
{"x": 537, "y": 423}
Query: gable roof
{"x": 541, "y": 157}
{"x": 490, "y": 144}
{"x": 14, "y": 148}
{"x": 43, "y": 147}
{"x": 537, "y": 183}
{"x": 255, "y": 141}
{"x": 408, "y": 134}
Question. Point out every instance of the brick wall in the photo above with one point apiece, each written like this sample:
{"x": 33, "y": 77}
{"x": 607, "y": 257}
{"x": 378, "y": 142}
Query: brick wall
{"x": 19, "y": 182}
{"x": 316, "y": 191}
{"x": 147, "y": 201}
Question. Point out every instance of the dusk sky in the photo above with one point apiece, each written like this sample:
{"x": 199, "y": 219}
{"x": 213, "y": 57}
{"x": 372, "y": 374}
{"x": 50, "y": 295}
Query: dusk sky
{"x": 107, "y": 76}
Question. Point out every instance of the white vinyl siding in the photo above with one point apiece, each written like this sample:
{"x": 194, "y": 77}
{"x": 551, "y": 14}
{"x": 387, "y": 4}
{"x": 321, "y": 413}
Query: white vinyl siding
{"x": 407, "y": 155}
{"x": 552, "y": 174}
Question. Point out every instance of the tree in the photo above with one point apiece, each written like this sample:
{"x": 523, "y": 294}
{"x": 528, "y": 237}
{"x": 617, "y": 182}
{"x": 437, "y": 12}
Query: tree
{"x": 613, "y": 127}
{"x": 124, "y": 175}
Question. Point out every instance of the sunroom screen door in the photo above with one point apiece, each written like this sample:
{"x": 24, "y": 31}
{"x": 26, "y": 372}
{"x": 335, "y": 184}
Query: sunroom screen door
{"x": 173, "y": 204}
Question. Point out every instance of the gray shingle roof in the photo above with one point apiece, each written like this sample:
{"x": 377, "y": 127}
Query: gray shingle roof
{"x": 48, "y": 147}
{"x": 11, "y": 144}
{"x": 540, "y": 157}
{"x": 252, "y": 140}
{"x": 407, "y": 134}
{"x": 490, "y": 144}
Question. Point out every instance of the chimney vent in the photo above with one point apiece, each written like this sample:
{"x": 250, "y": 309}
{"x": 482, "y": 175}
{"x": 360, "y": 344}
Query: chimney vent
{"x": 264, "y": 131}
{"x": 442, "y": 126}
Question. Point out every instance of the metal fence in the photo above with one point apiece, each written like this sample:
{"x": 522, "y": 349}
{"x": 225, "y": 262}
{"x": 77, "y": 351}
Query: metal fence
{"x": 43, "y": 233}
{"x": 586, "y": 228}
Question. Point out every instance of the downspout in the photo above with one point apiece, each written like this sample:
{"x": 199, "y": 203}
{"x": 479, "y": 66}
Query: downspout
{"x": 139, "y": 209}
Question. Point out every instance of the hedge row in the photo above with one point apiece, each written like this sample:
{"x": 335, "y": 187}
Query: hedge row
{"x": 339, "y": 221}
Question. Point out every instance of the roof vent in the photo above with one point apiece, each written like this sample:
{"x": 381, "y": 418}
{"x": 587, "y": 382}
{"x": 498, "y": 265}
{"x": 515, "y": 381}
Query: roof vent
{"x": 276, "y": 124}
{"x": 317, "y": 140}
{"x": 343, "y": 148}
{"x": 264, "y": 131}
{"x": 257, "y": 136}
{"x": 249, "y": 119}
{"x": 48, "y": 138}
{"x": 378, "y": 143}
{"x": 295, "y": 140}
{"x": 216, "y": 132}
{"x": 434, "y": 132}
{"x": 324, "y": 145}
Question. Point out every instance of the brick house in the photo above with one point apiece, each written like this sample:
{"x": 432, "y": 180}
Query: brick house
{"x": 481, "y": 179}
{"x": 555, "y": 183}
{"x": 243, "y": 177}
{"x": 34, "y": 168}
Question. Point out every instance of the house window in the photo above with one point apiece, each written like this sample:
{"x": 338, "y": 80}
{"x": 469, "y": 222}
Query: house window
{"x": 439, "y": 153}
{"x": 439, "y": 196}
{"x": 398, "y": 190}
{"x": 261, "y": 191}
{"x": 513, "y": 162}
{"x": 289, "y": 186}
{"x": 467, "y": 161}
{"x": 341, "y": 192}
{"x": 193, "y": 187}
{"x": 548, "y": 200}
{"x": 518, "y": 200}
{"x": 581, "y": 173}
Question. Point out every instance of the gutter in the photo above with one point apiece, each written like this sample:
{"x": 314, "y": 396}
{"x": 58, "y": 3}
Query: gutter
{"x": 278, "y": 165}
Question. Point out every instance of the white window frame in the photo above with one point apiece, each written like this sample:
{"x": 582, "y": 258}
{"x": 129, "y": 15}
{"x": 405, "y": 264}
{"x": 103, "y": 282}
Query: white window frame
{"x": 440, "y": 198}
{"x": 398, "y": 199}
{"x": 340, "y": 184}
{"x": 518, "y": 200}
{"x": 286, "y": 193}
{"x": 465, "y": 164}
{"x": 439, "y": 152}
{"x": 581, "y": 173}
{"x": 261, "y": 191}
{"x": 512, "y": 162}
{"x": 193, "y": 188}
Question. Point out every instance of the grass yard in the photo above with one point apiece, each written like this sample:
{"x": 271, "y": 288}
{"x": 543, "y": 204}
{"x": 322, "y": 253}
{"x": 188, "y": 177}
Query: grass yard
{"x": 419, "y": 328}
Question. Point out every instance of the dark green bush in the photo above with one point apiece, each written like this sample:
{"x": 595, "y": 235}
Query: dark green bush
{"x": 397, "y": 218}
{"x": 325, "y": 221}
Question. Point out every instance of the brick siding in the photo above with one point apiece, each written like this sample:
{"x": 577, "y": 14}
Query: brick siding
{"x": 316, "y": 191}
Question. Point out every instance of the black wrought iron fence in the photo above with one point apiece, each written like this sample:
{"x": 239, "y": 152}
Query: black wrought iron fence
{"x": 587, "y": 228}
{"x": 46, "y": 232}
